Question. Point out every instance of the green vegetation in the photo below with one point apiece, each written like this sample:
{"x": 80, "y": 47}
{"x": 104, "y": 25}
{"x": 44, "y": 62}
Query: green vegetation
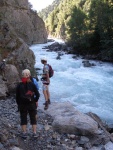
{"x": 87, "y": 25}
{"x": 46, "y": 11}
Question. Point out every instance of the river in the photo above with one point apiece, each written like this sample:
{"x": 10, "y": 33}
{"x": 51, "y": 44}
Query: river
{"x": 89, "y": 89}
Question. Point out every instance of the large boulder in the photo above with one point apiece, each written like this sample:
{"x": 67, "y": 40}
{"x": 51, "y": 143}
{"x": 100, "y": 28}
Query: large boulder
{"x": 86, "y": 63}
{"x": 9, "y": 86}
{"x": 12, "y": 77}
{"x": 67, "y": 119}
{"x": 3, "y": 88}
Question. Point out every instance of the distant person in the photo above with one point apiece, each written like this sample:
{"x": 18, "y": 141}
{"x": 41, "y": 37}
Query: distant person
{"x": 3, "y": 69}
{"x": 46, "y": 81}
{"x": 27, "y": 97}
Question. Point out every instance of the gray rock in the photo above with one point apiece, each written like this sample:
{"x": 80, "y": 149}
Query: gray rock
{"x": 12, "y": 76}
{"x": 71, "y": 136}
{"x": 3, "y": 88}
{"x": 109, "y": 146}
{"x": 84, "y": 139}
{"x": 3, "y": 138}
{"x": 67, "y": 119}
{"x": 47, "y": 127}
{"x": 15, "y": 148}
{"x": 86, "y": 63}
{"x": 78, "y": 148}
{"x": 1, "y": 146}
{"x": 26, "y": 23}
{"x": 95, "y": 148}
{"x": 13, "y": 142}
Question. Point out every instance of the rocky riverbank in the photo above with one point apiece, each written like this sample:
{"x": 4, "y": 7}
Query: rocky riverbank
{"x": 47, "y": 125}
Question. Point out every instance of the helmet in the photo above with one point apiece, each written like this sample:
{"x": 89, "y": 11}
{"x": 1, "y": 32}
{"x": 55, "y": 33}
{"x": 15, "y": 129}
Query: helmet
{"x": 44, "y": 58}
{"x": 26, "y": 73}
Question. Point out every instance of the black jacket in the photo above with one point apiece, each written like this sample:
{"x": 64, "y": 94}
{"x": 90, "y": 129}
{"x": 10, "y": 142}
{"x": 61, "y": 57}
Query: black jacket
{"x": 22, "y": 88}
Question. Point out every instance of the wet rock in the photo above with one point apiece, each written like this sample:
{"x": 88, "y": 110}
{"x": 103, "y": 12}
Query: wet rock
{"x": 86, "y": 63}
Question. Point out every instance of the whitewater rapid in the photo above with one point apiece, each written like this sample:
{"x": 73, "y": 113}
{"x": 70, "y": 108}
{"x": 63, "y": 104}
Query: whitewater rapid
{"x": 89, "y": 89}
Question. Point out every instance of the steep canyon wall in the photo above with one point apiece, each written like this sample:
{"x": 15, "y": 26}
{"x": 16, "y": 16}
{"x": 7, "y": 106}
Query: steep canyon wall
{"x": 20, "y": 26}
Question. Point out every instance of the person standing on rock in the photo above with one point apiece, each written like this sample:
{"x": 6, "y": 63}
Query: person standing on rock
{"x": 46, "y": 81}
{"x": 3, "y": 69}
{"x": 27, "y": 97}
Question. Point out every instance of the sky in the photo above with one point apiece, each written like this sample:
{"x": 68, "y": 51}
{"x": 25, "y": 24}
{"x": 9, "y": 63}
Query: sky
{"x": 40, "y": 4}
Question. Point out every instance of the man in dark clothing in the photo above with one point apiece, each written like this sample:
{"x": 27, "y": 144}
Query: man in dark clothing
{"x": 27, "y": 97}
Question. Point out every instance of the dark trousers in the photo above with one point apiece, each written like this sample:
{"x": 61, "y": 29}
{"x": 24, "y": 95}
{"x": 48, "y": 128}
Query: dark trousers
{"x": 28, "y": 109}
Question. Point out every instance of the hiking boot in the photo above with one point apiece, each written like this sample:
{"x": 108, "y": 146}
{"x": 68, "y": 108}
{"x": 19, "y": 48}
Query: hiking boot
{"x": 46, "y": 105}
{"x": 34, "y": 135}
{"x": 24, "y": 135}
{"x": 49, "y": 102}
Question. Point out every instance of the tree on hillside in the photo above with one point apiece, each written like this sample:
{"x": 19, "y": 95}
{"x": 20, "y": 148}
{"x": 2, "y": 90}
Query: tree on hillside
{"x": 44, "y": 13}
{"x": 52, "y": 22}
{"x": 76, "y": 25}
{"x": 101, "y": 24}
{"x": 85, "y": 24}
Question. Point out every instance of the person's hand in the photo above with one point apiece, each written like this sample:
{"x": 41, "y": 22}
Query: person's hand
{"x": 36, "y": 104}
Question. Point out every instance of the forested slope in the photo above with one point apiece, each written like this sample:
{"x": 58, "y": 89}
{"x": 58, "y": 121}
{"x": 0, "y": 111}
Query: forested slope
{"x": 87, "y": 25}
{"x": 46, "y": 11}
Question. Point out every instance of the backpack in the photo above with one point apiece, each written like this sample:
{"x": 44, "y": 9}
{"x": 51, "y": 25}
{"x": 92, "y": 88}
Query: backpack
{"x": 29, "y": 96}
{"x": 51, "y": 71}
{"x": 26, "y": 93}
{"x": 35, "y": 81}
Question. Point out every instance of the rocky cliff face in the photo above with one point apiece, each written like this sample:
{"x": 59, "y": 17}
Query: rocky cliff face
{"x": 25, "y": 21}
{"x": 19, "y": 27}
{"x": 14, "y": 49}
